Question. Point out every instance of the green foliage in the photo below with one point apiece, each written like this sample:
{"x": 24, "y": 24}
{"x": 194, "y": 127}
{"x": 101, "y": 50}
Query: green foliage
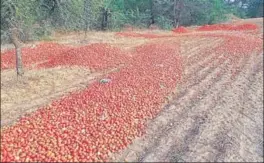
{"x": 38, "y": 18}
{"x": 255, "y": 8}
{"x": 164, "y": 22}
{"x": 217, "y": 13}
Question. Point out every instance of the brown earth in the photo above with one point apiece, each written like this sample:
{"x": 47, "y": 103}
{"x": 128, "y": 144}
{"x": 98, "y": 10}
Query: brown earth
{"x": 213, "y": 117}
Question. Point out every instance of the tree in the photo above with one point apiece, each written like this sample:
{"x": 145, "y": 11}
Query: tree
{"x": 87, "y": 15}
{"x": 105, "y": 10}
{"x": 178, "y": 5}
{"x": 152, "y": 12}
{"x": 246, "y": 8}
{"x": 8, "y": 11}
{"x": 76, "y": 15}
{"x": 255, "y": 8}
{"x": 217, "y": 12}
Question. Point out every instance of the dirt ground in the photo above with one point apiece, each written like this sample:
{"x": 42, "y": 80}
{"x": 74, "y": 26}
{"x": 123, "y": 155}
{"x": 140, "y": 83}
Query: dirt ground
{"x": 212, "y": 117}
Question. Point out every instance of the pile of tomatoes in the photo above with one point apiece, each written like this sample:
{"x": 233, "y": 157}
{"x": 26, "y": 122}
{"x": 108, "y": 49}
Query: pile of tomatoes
{"x": 96, "y": 56}
{"x": 180, "y": 30}
{"x": 228, "y": 27}
{"x": 103, "y": 118}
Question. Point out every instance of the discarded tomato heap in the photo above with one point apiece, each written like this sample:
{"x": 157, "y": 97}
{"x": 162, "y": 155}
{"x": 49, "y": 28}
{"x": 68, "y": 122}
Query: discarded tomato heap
{"x": 103, "y": 118}
{"x": 41, "y": 53}
{"x": 228, "y": 27}
{"x": 48, "y": 55}
{"x": 246, "y": 27}
{"x": 181, "y": 30}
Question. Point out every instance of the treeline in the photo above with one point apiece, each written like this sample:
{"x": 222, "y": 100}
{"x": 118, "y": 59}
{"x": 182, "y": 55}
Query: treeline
{"x": 34, "y": 19}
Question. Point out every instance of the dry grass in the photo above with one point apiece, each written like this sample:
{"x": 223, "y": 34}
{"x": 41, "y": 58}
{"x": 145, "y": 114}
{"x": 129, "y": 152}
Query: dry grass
{"x": 79, "y": 39}
{"x": 37, "y": 88}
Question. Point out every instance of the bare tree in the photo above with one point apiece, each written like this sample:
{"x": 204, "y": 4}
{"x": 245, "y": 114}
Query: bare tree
{"x": 87, "y": 15}
{"x": 178, "y": 5}
{"x": 105, "y": 18}
{"x": 152, "y": 7}
{"x": 8, "y": 11}
{"x": 13, "y": 34}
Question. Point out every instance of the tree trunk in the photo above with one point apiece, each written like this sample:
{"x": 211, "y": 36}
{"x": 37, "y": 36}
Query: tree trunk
{"x": 15, "y": 40}
{"x": 61, "y": 17}
{"x": 19, "y": 65}
{"x": 104, "y": 19}
{"x": 152, "y": 19}
{"x": 87, "y": 14}
{"x": 177, "y": 12}
{"x": 86, "y": 30}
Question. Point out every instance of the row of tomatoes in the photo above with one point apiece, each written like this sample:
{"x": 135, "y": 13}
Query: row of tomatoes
{"x": 181, "y": 29}
{"x": 40, "y": 53}
{"x": 228, "y": 27}
{"x": 47, "y": 55}
{"x": 234, "y": 47}
{"x": 103, "y": 118}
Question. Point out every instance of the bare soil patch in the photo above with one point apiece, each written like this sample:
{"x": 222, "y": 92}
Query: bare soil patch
{"x": 213, "y": 115}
